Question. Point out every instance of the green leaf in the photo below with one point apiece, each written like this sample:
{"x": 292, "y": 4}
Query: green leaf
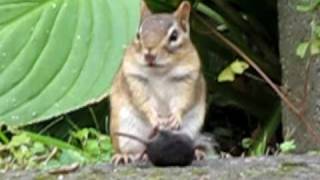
{"x": 210, "y": 12}
{"x": 238, "y": 67}
{"x": 246, "y": 143}
{"x": 19, "y": 140}
{"x": 226, "y": 75}
{"x": 3, "y": 137}
{"x": 53, "y": 163}
{"x": 316, "y": 30}
{"x": 261, "y": 147}
{"x": 59, "y": 55}
{"x": 308, "y": 6}
{"x": 305, "y": 7}
{"x": 92, "y": 147}
{"x": 38, "y": 148}
{"x": 267, "y": 130}
{"x": 315, "y": 47}
{"x": 69, "y": 156}
{"x": 81, "y": 135}
{"x": 105, "y": 143}
{"x": 287, "y": 146}
{"x": 302, "y": 49}
{"x": 50, "y": 141}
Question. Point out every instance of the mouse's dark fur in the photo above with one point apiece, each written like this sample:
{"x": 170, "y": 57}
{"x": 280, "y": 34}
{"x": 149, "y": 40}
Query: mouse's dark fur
{"x": 168, "y": 148}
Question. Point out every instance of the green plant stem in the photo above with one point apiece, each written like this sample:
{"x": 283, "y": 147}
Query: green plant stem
{"x": 74, "y": 126}
{"x": 49, "y": 141}
{"x": 3, "y": 138}
{"x": 211, "y": 13}
{"x": 94, "y": 117}
{"x": 54, "y": 122}
{"x": 260, "y": 144}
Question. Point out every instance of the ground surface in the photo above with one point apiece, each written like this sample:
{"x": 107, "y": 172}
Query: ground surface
{"x": 282, "y": 167}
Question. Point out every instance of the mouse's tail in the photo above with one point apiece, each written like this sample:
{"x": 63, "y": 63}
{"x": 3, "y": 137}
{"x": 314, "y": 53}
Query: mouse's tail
{"x": 130, "y": 136}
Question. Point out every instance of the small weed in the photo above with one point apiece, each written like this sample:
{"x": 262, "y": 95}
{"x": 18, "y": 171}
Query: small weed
{"x": 287, "y": 146}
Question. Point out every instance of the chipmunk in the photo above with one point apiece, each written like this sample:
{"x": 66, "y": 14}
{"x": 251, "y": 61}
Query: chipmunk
{"x": 159, "y": 83}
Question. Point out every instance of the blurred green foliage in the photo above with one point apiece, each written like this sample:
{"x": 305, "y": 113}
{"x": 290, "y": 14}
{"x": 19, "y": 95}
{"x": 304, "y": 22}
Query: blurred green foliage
{"x": 28, "y": 150}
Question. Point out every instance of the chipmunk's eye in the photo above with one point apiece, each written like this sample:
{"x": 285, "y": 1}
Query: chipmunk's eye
{"x": 173, "y": 36}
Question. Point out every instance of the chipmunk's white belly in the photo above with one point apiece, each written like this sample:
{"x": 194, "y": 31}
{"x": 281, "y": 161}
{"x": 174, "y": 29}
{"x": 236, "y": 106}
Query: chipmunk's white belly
{"x": 164, "y": 93}
{"x": 164, "y": 85}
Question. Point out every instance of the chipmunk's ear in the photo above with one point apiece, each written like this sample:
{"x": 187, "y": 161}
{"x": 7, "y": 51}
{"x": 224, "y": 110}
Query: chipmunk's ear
{"x": 144, "y": 10}
{"x": 183, "y": 14}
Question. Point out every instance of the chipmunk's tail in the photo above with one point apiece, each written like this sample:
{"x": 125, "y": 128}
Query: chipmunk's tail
{"x": 130, "y": 136}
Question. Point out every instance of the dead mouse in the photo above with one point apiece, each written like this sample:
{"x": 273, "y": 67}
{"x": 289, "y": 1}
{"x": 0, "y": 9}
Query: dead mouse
{"x": 168, "y": 148}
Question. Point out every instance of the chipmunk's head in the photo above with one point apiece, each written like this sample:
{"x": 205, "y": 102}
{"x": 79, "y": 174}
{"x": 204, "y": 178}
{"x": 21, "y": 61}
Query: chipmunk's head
{"x": 162, "y": 37}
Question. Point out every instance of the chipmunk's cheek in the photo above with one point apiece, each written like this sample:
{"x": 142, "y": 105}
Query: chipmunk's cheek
{"x": 160, "y": 58}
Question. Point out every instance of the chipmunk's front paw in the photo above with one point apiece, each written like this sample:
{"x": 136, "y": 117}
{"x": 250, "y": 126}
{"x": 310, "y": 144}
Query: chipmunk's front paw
{"x": 124, "y": 159}
{"x": 173, "y": 122}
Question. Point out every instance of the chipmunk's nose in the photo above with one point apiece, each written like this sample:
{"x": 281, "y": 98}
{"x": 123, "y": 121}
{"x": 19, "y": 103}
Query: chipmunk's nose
{"x": 150, "y": 58}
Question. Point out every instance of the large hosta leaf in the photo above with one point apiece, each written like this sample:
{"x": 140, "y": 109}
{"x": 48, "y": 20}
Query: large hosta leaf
{"x": 59, "y": 55}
